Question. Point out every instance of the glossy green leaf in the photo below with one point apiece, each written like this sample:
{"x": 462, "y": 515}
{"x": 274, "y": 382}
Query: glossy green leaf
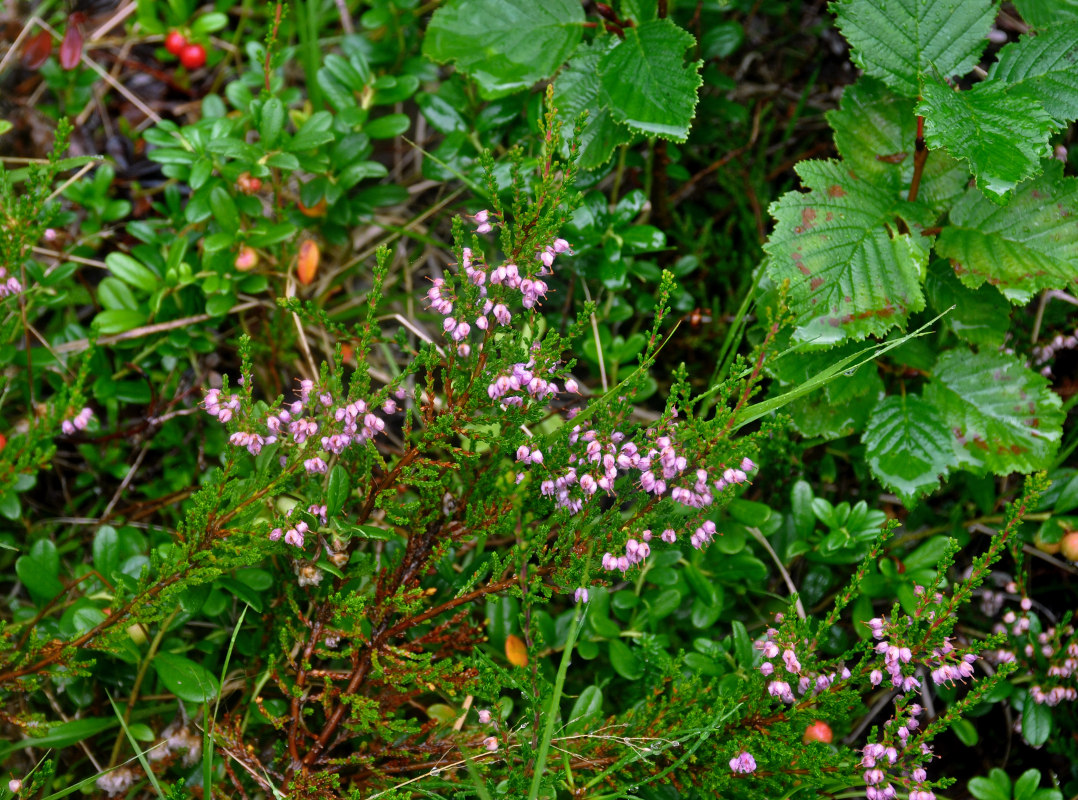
{"x": 1021, "y": 248}
{"x": 185, "y": 679}
{"x": 340, "y": 485}
{"x": 504, "y": 45}
{"x": 1042, "y": 13}
{"x": 997, "y": 786}
{"x": 1044, "y": 70}
{"x": 106, "y": 550}
{"x": 587, "y": 706}
{"x": 1002, "y": 416}
{"x": 132, "y": 272}
{"x": 39, "y": 571}
{"x": 901, "y": 40}
{"x": 1036, "y": 722}
{"x": 908, "y": 446}
{"x": 980, "y": 316}
{"x": 1002, "y": 136}
{"x": 646, "y": 82}
{"x": 272, "y": 122}
{"x": 625, "y": 662}
{"x": 852, "y": 272}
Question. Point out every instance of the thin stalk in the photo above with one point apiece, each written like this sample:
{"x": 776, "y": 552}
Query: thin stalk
{"x": 552, "y": 706}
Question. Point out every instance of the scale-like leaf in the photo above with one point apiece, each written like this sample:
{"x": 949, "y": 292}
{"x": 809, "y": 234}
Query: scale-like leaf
{"x": 900, "y": 40}
{"x": 504, "y": 45}
{"x": 646, "y": 82}
{"x": 852, "y": 273}
{"x": 1044, "y": 70}
{"x": 1002, "y": 136}
{"x": 1028, "y": 245}
{"x": 1002, "y": 416}
{"x": 876, "y": 133}
{"x": 908, "y": 446}
{"x": 577, "y": 89}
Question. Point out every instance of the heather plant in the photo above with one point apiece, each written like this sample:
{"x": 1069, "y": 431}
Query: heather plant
{"x": 342, "y": 464}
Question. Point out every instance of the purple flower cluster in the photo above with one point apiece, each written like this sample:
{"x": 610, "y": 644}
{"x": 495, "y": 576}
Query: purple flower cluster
{"x": 9, "y": 285}
{"x": 490, "y": 302}
{"x": 78, "y": 422}
{"x": 807, "y": 681}
{"x": 743, "y": 763}
{"x": 945, "y": 664}
{"x": 522, "y": 378}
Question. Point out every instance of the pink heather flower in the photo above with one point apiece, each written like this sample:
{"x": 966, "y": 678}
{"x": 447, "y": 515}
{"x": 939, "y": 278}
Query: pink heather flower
{"x": 572, "y": 386}
{"x": 781, "y": 690}
{"x": 610, "y": 562}
{"x": 501, "y": 314}
{"x": 789, "y": 658}
{"x": 561, "y": 246}
{"x": 484, "y": 716}
{"x": 491, "y": 744}
{"x": 767, "y": 668}
{"x": 669, "y": 536}
{"x": 15, "y": 785}
{"x": 275, "y": 534}
{"x": 580, "y": 595}
{"x": 743, "y": 763}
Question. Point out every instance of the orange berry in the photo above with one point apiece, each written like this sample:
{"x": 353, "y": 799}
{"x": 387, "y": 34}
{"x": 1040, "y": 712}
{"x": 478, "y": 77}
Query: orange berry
{"x": 1069, "y": 546}
{"x": 307, "y": 265}
{"x": 818, "y": 731}
{"x": 317, "y": 210}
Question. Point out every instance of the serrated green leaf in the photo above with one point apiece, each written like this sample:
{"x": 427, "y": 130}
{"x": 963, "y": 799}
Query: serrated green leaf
{"x": 876, "y": 135}
{"x": 576, "y": 90}
{"x": 851, "y": 273}
{"x": 1042, "y": 13}
{"x": 185, "y": 679}
{"x": 504, "y": 45}
{"x": 908, "y": 446}
{"x": 646, "y": 82}
{"x": 1002, "y": 136}
{"x": 980, "y": 316}
{"x": 1002, "y": 416}
{"x": 901, "y": 40}
{"x": 1028, "y": 245}
{"x": 1043, "y": 69}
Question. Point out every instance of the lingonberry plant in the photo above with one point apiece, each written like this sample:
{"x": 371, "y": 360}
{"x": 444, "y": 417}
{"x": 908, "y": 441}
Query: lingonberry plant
{"x": 373, "y": 428}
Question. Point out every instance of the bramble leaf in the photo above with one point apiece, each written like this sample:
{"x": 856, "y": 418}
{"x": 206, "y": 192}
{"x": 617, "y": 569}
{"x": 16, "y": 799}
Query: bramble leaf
{"x": 577, "y": 89}
{"x": 902, "y": 40}
{"x": 908, "y": 446}
{"x": 1002, "y": 136}
{"x": 1042, "y": 13}
{"x": 979, "y": 316}
{"x": 852, "y": 273}
{"x": 1028, "y": 245}
{"x": 1043, "y": 69}
{"x": 876, "y": 134}
{"x": 1003, "y": 417}
{"x": 504, "y": 45}
{"x": 646, "y": 83}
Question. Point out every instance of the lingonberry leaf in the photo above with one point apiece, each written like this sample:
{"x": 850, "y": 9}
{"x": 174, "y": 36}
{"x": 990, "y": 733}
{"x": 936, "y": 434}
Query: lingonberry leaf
{"x": 876, "y": 134}
{"x": 901, "y": 40}
{"x": 577, "y": 89}
{"x": 504, "y": 45}
{"x": 646, "y": 82}
{"x": 1021, "y": 248}
{"x": 854, "y": 268}
{"x": 1003, "y": 136}
{"x": 908, "y": 446}
{"x": 1002, "y": 417}
{"x": 1043, "y": 69}
{"x": 186, "y": 679}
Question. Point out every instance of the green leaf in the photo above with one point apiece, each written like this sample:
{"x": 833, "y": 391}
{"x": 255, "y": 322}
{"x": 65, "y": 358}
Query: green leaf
{"x": 876, "y": 135}
{"x": 589, "y": 704}
{"x": 743, "y": 649}
{"x": 1002, "y": 416}
{"x": 1036, "y": 722}
{"x": 272, "y": 122}
{"x": 118, "y": 321}
{"x": 646, "y": 83}
{"x": 224, "y": 209}
{"x": 1003, "y": 136}
{"x": 208, "y": 23}
{"x": 625, "y": 662}
{"x": 980, "y": 316}
{"x": 908, "y": 446}
{"x": 185, "y": 679}
{"x": 388, "y": 126}
{"x": 901, "y": 40}
{"x": 1044, "y": 70}
{"x": 39, "y": 571}
{"x": 63, "y": 734}
{"x": 1042, "y": 13}
{"x": 133, "y": 272}
{"x": 966, "y": 732}
{"x": 504, "y": 45}
{"x": 1027, "y": 784}
{"x": 851, "y": 272}
{"x": 577, "y": 90}
{"x": 338, "y": 490}
{"x": 986, "y": 789}
{"x": 1026, "y": 246}
{"x": 106, "y": 550}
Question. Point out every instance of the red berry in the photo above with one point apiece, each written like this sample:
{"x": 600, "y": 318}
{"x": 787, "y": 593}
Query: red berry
{"x": 175, "y": 42}
{"x": 1069, "y": 546}
{"x": 193, "y": 56}
{"x": 818, "y": 731}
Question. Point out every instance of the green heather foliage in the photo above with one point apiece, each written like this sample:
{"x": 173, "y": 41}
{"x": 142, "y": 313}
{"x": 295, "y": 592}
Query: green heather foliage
{"x": 417, "y": 401}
